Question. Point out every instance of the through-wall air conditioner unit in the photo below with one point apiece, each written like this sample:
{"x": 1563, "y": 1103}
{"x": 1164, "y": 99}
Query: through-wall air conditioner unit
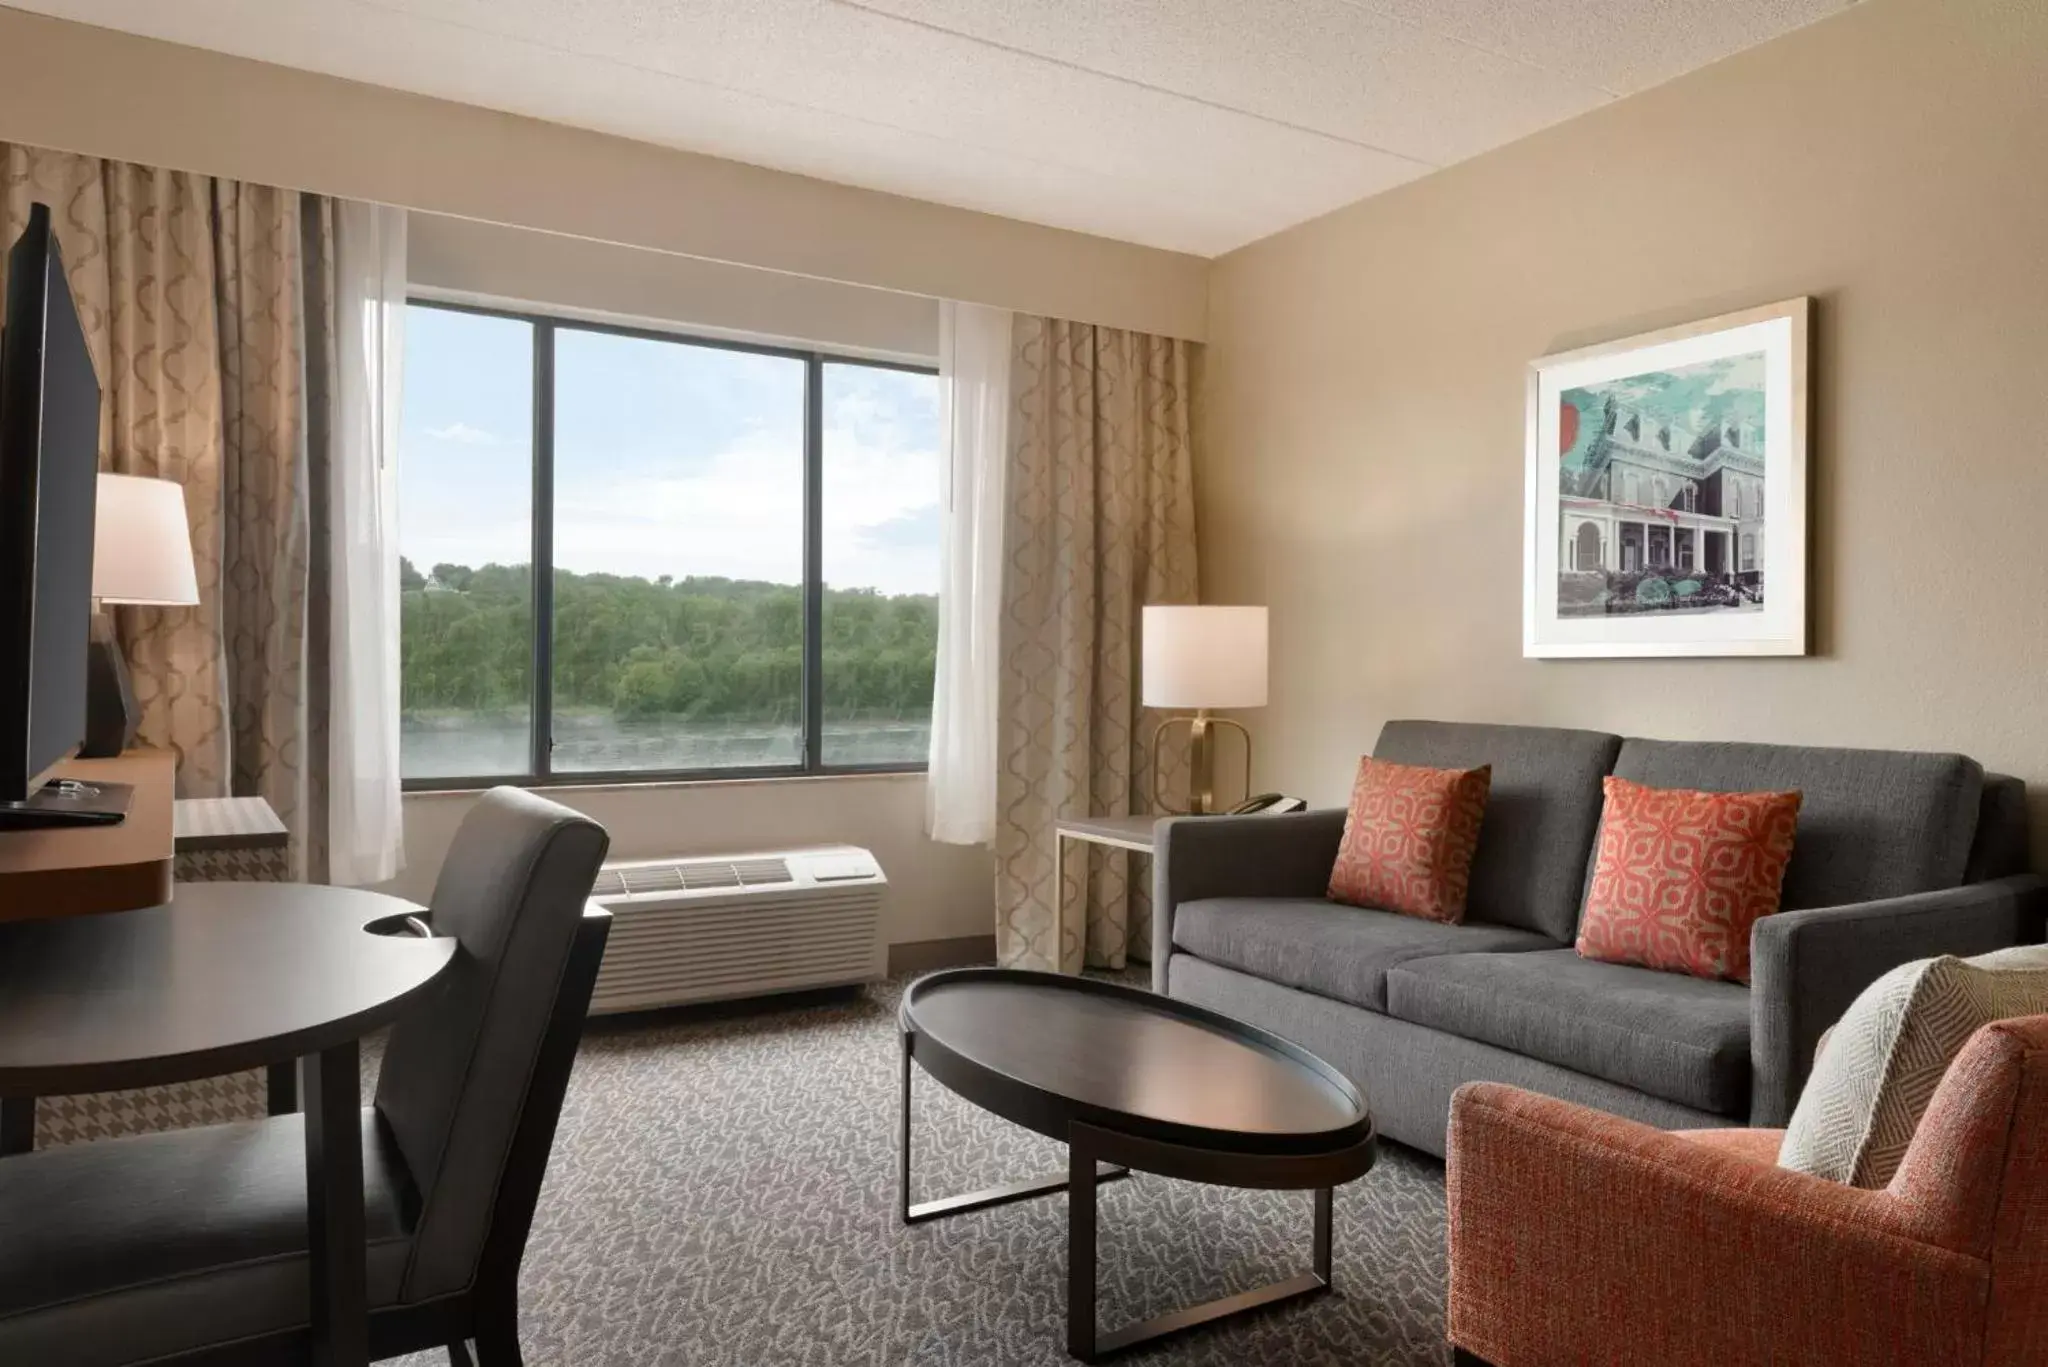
{"x": 714, "y": 929}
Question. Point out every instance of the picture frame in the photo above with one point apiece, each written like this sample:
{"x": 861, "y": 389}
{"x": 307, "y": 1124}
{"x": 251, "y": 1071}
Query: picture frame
{"x": 1667, "y": 492}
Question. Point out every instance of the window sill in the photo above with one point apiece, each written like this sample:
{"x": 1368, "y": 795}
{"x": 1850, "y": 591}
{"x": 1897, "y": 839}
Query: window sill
{"x": 470, "y": 787}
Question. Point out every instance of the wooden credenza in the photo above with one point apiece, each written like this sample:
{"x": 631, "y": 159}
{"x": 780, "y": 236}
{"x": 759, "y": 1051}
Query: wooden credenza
{"x": 72, "y": 871}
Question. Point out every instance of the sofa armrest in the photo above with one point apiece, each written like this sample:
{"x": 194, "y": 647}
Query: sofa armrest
{"x": 1807, "y": 966}
{"x": 1237, "y": 856}
{"x": 1577, "y": 1236}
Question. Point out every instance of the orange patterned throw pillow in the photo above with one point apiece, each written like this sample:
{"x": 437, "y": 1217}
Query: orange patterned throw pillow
{"x": 1681, "y": 876}
{"x": 1409, "y": 838}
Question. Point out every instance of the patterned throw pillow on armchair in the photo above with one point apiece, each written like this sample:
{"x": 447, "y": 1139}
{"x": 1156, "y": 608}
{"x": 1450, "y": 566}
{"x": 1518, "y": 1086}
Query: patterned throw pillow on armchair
{"x": 1880, "y": 1065}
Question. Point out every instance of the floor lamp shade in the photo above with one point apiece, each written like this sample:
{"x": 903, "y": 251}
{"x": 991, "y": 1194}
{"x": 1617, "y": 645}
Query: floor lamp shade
{"x": 141, "y": 555}
{"x": 1198, "y": 658}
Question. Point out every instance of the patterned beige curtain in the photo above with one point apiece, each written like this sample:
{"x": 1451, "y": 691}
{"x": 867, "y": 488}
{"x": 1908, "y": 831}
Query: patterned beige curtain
{"x": 264, "y": 464}
{"x": 1101, "y": 522}
{"x": 191, "y": 291}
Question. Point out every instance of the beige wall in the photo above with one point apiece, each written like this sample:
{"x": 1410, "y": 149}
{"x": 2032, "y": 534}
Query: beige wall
{"x": 107, "y": 94}
{"x": 462, "y": 258}
{"x": 935, "y": 891}
{"x": 1362, "y": 467}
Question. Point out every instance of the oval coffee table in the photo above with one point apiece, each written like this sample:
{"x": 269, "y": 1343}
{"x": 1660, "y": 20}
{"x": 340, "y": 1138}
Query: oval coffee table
{"x": 1125, "y": 1076}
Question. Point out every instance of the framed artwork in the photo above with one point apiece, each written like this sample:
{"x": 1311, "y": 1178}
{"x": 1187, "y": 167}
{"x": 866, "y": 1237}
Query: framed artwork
{"x": 1667, "y": 492}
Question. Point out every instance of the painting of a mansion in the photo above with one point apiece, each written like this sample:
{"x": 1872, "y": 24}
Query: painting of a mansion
{"x": 1654, "y": 514}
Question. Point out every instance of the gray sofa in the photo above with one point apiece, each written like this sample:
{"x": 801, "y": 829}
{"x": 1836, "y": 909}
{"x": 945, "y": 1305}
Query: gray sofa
{"x": 1900, "y": 855}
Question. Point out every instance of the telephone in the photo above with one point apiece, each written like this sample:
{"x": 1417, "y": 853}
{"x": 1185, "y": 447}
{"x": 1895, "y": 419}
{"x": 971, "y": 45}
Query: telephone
{"x": 1273, "y": 804}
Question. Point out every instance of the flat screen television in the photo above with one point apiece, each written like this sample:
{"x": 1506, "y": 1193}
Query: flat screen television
{"x": 49, "y": 465}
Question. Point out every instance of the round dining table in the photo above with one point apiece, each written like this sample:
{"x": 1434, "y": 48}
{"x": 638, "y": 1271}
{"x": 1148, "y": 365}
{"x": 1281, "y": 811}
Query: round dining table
{"x": 224, "y": 977}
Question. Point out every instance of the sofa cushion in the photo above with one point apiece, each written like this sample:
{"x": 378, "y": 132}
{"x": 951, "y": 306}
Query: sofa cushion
{"x": 1321, "y": 947}
{"x": 1408, "y": 839}
{"x": 1872, "y": 823}
{"x": 1541, "y": 810}
{"x": 1680, "y": 876}
{"x": 1680, "y": 1038}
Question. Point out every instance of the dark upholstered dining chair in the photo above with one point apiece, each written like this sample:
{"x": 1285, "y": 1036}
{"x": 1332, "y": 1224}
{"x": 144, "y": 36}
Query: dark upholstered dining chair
{"x": 189, "y": 1247}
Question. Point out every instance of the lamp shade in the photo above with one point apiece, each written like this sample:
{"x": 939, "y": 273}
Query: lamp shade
{"x": 1204, "y": 657}
{"x": 142, "y": 548}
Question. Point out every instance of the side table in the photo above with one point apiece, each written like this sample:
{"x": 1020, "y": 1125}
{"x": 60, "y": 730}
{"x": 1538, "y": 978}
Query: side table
{"x": 229, "y": 840}
{"x": 1133, "y": 833}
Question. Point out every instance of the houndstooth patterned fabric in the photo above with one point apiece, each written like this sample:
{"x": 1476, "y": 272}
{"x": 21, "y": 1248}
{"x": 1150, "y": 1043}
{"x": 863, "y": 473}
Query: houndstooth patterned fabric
{"x": 1883, "y": 1061}
{"x": 268, "y": 865}
{"x": 182, "y": 1106}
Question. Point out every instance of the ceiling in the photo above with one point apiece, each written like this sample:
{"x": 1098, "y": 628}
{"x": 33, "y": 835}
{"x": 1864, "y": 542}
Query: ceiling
{"x": 1195, "y": 125}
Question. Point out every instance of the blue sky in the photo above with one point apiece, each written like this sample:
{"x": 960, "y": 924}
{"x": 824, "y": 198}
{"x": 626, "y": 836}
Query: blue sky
{"x": 668, "y": 459}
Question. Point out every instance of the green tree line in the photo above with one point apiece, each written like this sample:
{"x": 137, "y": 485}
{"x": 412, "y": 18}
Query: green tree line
{"x": 704, "y": 649}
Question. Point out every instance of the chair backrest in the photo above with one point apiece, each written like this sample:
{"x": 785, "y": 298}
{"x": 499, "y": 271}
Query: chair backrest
{"x": 1978, "y": 1171}
{"x": 458, "y": 1070}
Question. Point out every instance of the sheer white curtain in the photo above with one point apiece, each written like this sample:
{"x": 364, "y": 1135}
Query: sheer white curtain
{"x": 974, "y": 422}
{"x": 365, "y": 825}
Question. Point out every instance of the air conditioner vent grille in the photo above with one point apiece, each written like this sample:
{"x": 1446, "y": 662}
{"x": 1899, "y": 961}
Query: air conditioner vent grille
{"x": 756, "y": 873}
{"x": 693, "y": 875}
{"x": 651, "y": 878}
{"x": 688, "y": 930}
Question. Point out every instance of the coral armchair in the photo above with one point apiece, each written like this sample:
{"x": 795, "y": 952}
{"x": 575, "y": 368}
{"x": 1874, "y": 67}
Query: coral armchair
{"x": 1581, "y": 1238}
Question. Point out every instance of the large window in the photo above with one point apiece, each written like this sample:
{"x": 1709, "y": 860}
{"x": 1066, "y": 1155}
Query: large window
{"x": 739, "y": 555}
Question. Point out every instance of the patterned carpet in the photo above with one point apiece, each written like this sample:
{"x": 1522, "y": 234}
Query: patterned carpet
{"x": 723, "y": 1192}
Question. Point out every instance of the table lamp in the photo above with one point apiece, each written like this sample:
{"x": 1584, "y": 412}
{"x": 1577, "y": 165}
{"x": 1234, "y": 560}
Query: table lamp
{"x": 142, "y": 556}
{"x": 1201, "y": 658}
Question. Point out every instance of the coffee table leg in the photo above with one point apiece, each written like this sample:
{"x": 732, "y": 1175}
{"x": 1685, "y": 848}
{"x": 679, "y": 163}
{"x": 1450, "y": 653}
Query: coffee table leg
{"x": 1086, "y": 1343}
{"x": 1324, "y": 1201}
{"x": 903, "y": 1138}
{"x": 1080, "y": 1251}
{"x": 918, "y": 1213}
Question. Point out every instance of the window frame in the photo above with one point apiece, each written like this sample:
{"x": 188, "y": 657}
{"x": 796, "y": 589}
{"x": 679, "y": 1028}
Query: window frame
{"x": 540, "y": 771}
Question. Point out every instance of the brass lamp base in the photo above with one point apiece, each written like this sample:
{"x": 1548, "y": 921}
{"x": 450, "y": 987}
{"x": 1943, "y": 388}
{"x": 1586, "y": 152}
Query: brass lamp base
{"x": 1201, "y": 762}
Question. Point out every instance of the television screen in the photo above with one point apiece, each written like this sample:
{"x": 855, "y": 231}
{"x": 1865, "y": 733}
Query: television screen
{"x": 49, "y": 464}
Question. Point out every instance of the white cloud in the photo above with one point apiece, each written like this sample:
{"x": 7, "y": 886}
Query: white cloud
{"x": 463, "y": 434}
{"x": 742, "y": 517}
{"x": 737, "y": 514}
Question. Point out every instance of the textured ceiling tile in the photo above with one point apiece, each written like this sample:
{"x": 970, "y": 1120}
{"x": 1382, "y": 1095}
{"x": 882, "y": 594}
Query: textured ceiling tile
{"x": 849, "y": 63}
{"x": 1191, "y": 124}
{"x": 1619, "y": 45}
{"x": 1328, "y": 65}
